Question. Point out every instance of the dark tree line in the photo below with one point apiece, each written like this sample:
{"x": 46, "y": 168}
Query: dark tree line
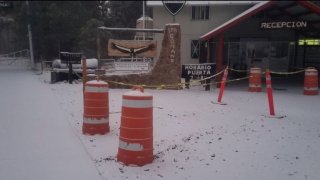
{"x": 65, "y": 25}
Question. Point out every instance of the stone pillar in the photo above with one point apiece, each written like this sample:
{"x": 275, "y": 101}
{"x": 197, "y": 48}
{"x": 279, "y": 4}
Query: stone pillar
{"x": 168, "y": 67}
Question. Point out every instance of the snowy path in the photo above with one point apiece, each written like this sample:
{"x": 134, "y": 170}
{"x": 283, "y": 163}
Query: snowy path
{"x": 197, "y": 140}
{"x": 36, "y": 141}
{"x": 194, "y": 139}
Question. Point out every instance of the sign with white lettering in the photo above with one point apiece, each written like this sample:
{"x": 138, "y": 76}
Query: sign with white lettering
{"x": 172, "y": 44}
{"x": 284, "y": 25}
{"x": 174, "y": 7}
{"x": 205, "y": 70}
{"x": 70, "y": 58}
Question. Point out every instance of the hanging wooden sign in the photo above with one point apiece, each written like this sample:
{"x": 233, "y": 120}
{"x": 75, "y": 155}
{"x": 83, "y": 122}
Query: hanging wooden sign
{"x": 132, "y": 48}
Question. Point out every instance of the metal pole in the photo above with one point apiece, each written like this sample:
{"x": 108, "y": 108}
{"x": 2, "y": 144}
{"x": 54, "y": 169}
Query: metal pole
{"x": 31, "y": 46}
{"x": 70, "y": 76}
{"x": 219, "y": 63}
{"x": 30, "y": 37}
{"x": 143, "y": 19}
{"x": 98, "y": 48}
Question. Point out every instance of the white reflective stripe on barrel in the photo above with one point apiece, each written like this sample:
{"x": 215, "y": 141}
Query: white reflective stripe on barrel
{"x": 137, "y": 103}
{"x": 268, "y": 78}
{"x": 311, "y": 88}
{"x": 254, "y": 85}
{"x": 95, "y": 120}
{"x": 255, "y": 71}
{"x": 311, "y": 73}
{"x": 268, "y": 85}
{"x": 130, "y": 146}
{"x": 96, "y": 89}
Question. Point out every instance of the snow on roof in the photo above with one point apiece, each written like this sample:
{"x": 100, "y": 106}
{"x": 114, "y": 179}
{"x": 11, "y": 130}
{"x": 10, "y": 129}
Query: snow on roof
{"x": 190, "y": 3}
{"x": 246, "y": 14}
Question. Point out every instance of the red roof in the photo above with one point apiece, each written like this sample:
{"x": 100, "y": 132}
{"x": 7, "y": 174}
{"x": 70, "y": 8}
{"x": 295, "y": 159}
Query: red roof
{"x": 312, "y": 7}
{"x": 309, "y": 6}
{"x": 236, "y": 20}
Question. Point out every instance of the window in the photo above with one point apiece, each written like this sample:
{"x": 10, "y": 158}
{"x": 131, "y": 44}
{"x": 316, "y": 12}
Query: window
{"x": 200, "y": 12}
{"x": 195, "y": 49}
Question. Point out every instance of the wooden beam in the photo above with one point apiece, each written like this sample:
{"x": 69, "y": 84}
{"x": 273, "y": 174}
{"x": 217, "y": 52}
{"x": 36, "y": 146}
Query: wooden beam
{"x": 314, "y": 21}
{"x": 281, "y": 9}
{"x": 280, "y": 14}
{"x": 132, "y": 29}
{"x": 303, "y": 13}
{"x": 220, "y": 51}
{"x": 311, "y": 6}
{"x": 287, "y": 6}
{"x": 219, "y": 63}
{"x": 311, "y": 26}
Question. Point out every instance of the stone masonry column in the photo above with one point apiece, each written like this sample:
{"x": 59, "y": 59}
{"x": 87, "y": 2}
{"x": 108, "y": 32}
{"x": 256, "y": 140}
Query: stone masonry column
{"x": 168, "y": 67}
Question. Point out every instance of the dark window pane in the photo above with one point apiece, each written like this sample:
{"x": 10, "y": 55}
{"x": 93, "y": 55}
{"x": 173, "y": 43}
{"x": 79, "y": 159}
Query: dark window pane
{"x": 195, "y": 49}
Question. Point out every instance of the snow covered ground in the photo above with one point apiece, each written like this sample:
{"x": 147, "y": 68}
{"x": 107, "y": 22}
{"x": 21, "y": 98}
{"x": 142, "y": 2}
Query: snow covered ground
{"x": 194, "y": 138}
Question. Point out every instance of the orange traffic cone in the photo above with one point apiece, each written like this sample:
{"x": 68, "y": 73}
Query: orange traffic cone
{"x": 255, "y": 80}
{"x": 136, "y": 131}
{"x": 96, "y": 108}
{"x": 311, "y": 81}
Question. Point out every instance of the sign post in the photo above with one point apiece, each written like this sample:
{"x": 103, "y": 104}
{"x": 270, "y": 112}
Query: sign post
{"x": 173, "y": 7}
{"x": 70, "y": 58}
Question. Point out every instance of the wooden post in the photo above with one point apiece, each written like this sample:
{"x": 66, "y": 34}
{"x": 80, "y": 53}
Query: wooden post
{"x": 220, "y": 58}
{"x": 70, "y": 75}
{"x": 84, "y": 71}
{"x": 98, "y": 48}
{"x": 269, "y": 92}
{"x": 225, "y": 75}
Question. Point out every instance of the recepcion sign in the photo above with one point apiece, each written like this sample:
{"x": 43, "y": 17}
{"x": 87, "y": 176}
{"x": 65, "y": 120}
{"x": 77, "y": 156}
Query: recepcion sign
{"x": 283, "y": 24}
{"x": 174, "y": 7}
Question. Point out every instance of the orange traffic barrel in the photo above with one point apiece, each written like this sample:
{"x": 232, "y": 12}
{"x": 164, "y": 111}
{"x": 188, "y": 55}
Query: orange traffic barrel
{"x": 96, "y": 108}
{"x": 255, "y": 80}
{"x": 136, "y": 129}
{"x": 311, "y": 81}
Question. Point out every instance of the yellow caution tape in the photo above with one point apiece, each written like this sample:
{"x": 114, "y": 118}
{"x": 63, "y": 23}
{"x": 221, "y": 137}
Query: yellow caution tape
{"x": 180, "y": 85}
{"x": 287, "y": 73}
{"x": 273, "y": 72}
{"x": 232, "y": 80}
{"x": 237, "y": 70}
